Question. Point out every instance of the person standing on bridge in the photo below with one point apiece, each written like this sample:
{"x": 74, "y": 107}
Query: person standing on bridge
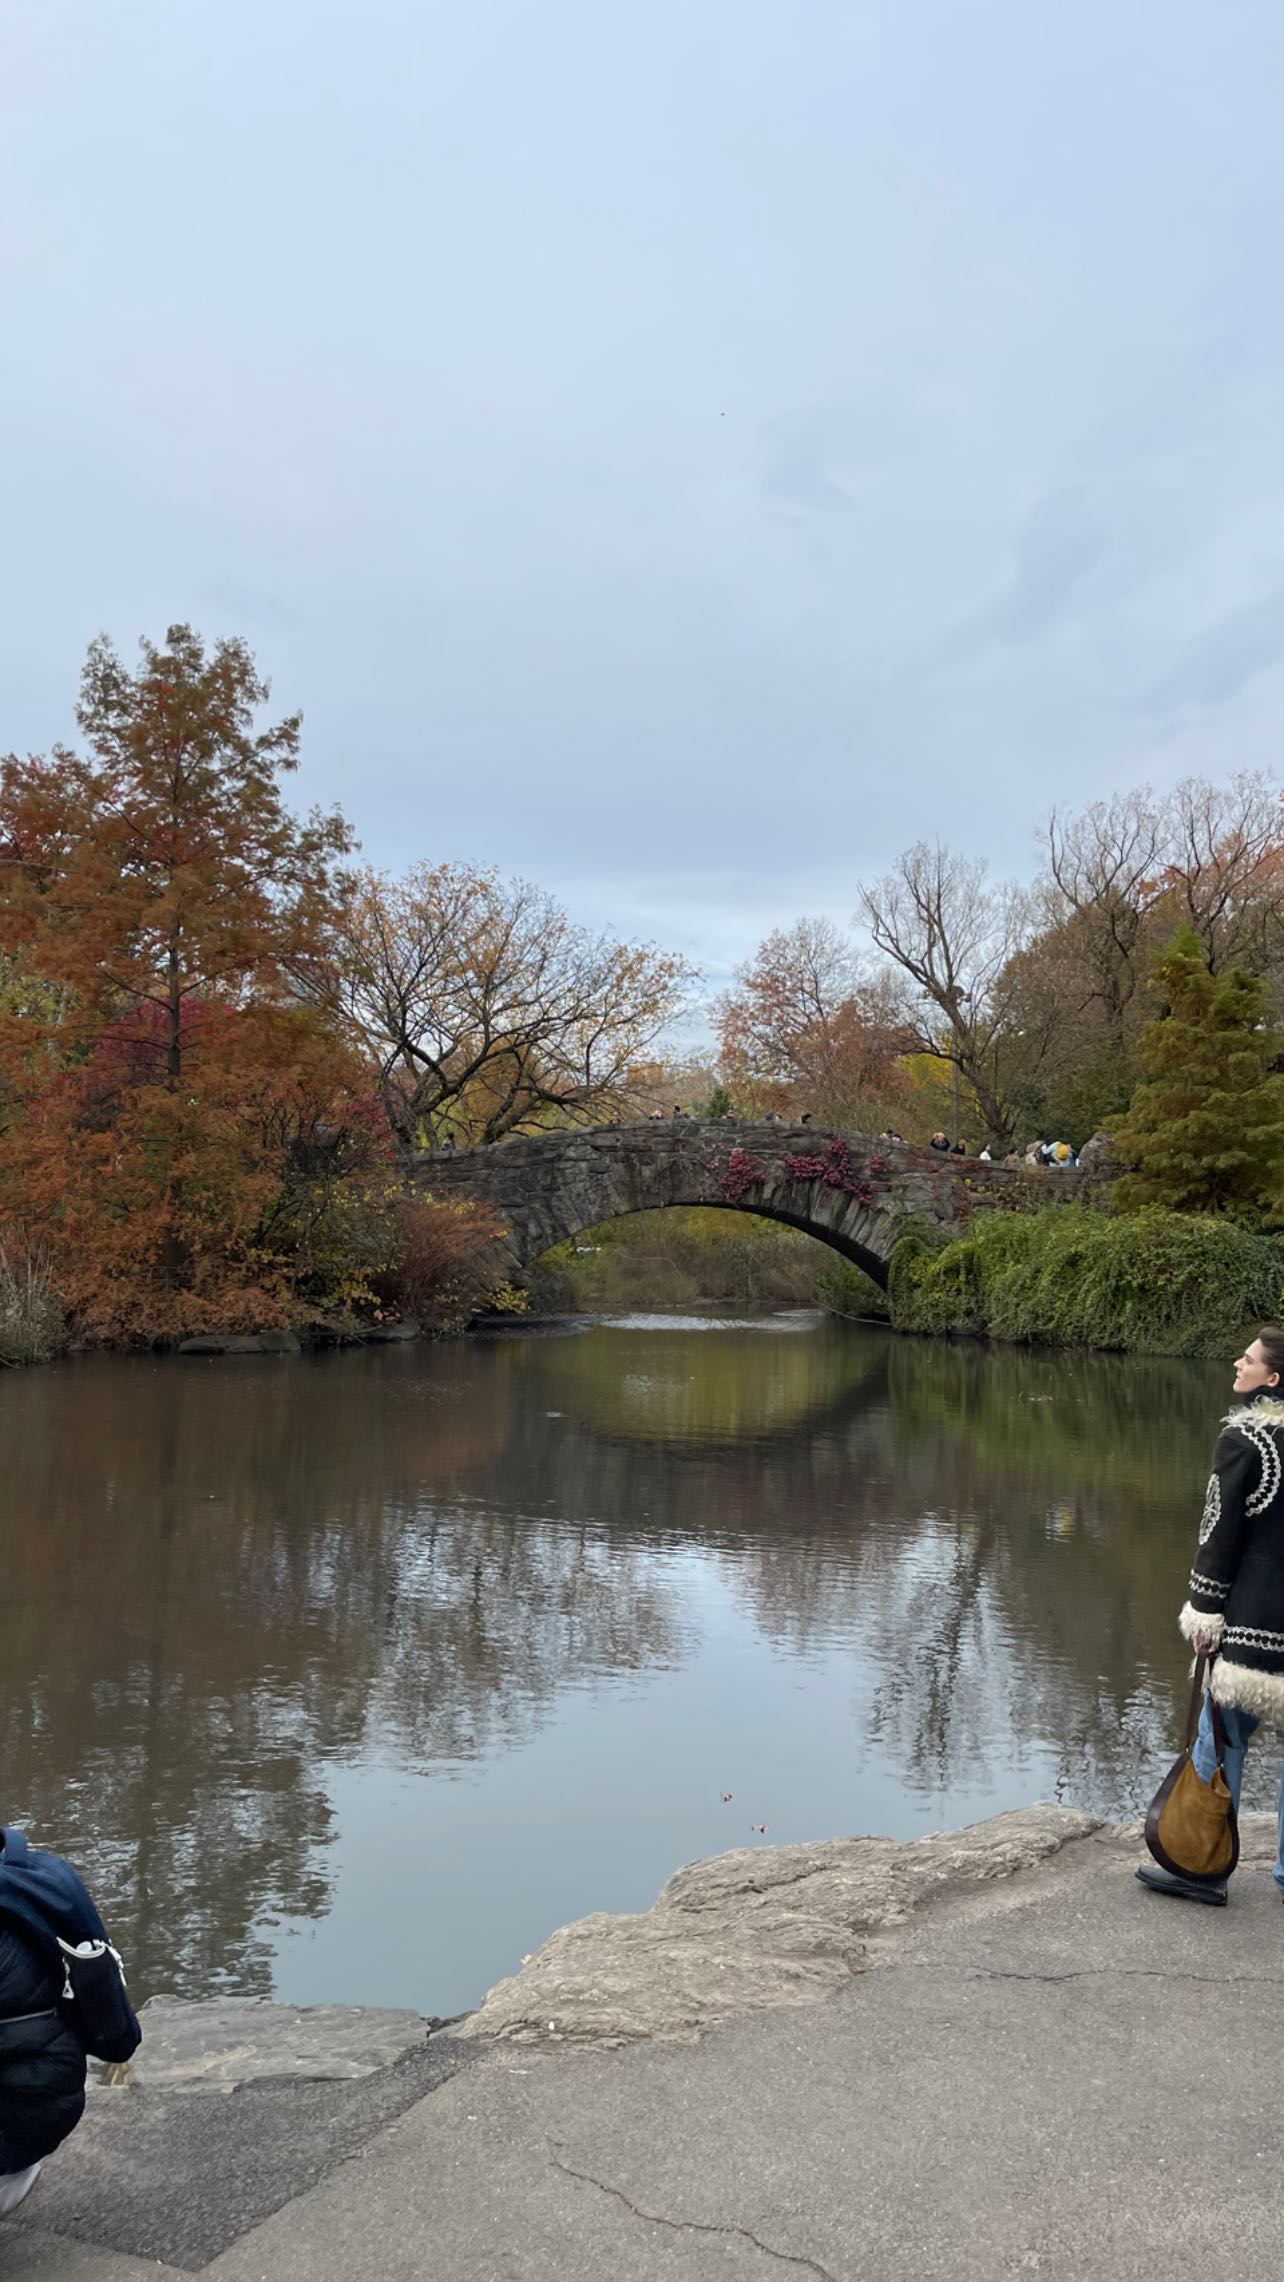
{"x": 1235, "y": 1608}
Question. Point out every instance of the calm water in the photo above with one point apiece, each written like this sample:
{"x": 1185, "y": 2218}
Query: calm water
{"x": 351, "y": 1677}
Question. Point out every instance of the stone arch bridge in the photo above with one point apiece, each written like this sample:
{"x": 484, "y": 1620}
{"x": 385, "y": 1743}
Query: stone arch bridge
{"x": 851, "y": 1191}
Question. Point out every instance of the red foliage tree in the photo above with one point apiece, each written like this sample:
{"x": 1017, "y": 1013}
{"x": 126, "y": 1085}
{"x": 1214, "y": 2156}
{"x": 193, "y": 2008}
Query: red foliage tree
{"x": 170, "y": 1104}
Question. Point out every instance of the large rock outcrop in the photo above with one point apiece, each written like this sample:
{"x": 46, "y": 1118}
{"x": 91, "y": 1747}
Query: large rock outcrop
{"x": 786, "y": 1925}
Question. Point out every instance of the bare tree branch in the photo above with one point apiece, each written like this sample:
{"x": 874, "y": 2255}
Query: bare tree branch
{"x": 483, "y": 1006}
{"x": 953, "y": 938}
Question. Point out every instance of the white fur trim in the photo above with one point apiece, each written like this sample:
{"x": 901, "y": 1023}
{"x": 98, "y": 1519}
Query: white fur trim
{"x": 1261, "y": 1693}
{"x": 1268, "y": 1412}
{"x": 1193, "y": 1620}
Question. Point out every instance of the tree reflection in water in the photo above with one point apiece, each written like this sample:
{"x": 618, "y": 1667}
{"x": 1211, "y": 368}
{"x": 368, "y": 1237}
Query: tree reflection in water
{"x": 227, "y": 1578}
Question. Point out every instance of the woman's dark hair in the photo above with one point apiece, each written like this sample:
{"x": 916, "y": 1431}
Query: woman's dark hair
{"x": 1272, "y": 1338}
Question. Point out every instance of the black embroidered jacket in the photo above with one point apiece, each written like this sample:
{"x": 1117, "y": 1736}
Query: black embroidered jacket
{"x": 1237, "y": 1582}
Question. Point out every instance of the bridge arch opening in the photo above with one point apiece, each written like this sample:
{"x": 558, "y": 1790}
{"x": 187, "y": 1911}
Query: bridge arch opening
{"x": 712, "y": 1250}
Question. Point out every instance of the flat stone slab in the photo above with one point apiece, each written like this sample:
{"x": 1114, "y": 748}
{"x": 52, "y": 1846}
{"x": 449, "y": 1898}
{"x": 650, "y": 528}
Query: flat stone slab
{"x": 176, "y": 2175}
{"x": 213, "y": 2047}
{"x": 753, "y": 1929}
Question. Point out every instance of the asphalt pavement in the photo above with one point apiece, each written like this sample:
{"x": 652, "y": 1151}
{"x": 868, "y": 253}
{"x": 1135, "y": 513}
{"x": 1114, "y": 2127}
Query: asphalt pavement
{"x": 1058, "y": 2075}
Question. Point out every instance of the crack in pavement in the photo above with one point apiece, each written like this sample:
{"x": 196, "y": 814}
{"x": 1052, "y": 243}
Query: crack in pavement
{"x": 1093, "y": 1973}
{"x": 684, "y": 2226}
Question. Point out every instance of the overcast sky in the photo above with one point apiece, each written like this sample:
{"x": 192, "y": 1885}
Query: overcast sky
{"x": 679, "y": 450}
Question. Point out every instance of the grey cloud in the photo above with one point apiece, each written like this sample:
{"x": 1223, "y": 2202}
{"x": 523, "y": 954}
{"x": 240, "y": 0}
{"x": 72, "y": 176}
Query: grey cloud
{"x": 797, "y": 476}
{"x": 1060, "y": 540}
{"x": 1219, "y": 663}
{"x": 815, "y": 454}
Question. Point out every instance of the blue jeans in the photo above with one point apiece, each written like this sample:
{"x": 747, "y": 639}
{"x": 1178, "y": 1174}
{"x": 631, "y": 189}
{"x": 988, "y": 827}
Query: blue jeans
{"x": 1238, "y": 1727}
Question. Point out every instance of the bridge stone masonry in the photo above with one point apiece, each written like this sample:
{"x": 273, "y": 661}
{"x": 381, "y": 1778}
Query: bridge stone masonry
{"x": 851, "y": 1191}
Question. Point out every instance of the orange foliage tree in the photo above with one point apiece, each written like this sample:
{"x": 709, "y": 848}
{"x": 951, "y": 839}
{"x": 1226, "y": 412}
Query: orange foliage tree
{"x": 180, "y": 1130}
{"x": 485, "y": 1010}
{"x": 802, "y": 1031}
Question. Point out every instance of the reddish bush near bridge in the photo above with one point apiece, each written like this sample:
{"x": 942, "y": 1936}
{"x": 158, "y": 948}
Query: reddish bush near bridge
{"x": 449, "y": 1263}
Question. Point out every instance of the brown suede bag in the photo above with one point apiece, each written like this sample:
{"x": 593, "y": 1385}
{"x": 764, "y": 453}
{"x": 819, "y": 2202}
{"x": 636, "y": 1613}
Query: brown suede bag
{"x": 1191, "y": 1826}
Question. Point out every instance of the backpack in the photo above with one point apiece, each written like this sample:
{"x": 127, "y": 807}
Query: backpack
{"x": 43, "y": 1895}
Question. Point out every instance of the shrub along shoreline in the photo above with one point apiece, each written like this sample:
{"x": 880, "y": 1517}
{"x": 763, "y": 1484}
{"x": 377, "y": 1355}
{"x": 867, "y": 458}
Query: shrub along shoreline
{"x": 1148, "y": 1283}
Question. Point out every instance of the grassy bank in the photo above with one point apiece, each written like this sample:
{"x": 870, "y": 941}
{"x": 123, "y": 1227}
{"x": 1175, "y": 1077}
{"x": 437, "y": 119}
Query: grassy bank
{"x": 1151, "y": 1283}
{"x": 681, "y": 1257}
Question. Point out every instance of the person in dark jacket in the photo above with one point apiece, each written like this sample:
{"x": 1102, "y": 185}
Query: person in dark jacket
{"x": 42, "y": 2066}
{"x": 1235, "y": 1604}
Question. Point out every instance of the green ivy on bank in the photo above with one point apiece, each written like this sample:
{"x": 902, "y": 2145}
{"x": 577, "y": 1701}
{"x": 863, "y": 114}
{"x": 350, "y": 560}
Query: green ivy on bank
{"x": 1152, "y": 1283}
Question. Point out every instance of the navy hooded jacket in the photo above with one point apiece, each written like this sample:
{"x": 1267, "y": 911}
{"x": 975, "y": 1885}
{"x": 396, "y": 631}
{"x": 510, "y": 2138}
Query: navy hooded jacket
{"x": 42, "y": 2061}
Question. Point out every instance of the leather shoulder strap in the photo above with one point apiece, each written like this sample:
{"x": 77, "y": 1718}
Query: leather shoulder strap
{"x": 1196, "y": 1696}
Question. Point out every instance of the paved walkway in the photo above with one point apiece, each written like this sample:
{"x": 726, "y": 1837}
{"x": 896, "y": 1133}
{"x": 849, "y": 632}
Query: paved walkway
{"x": 1059, "y": 2075}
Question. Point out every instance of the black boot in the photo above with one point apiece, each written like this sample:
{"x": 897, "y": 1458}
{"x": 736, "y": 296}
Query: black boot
{"x": 1186, "y": 1889}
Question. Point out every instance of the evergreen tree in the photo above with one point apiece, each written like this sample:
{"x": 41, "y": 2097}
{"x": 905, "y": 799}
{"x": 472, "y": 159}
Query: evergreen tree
{"x": 1204, "y": 1131}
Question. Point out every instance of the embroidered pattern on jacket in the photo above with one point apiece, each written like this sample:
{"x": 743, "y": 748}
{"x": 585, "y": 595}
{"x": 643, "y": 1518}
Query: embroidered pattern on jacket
{"x": 1212, "y": 1509}
{"x": 1253, "y": 1636}
{"x": 1209, "y": 1586}
{"x": 1264, "y": 1443}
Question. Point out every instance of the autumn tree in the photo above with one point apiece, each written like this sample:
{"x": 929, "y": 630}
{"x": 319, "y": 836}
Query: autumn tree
{"x": 951, "y": 939}
{"x": 1204, "y": 1131}
{"x": 484, "y": 1010}
{"x": 803, "y": 1027}
{"x": 1223, "y": 874}
{"x": 1065, "y": 1068}
{"x": 657, "y": 1086}
{"x": 164, "y": 1088}
{"x": 1124, "y": 874}
{"x": 1121, "y": 876}
{"x": 1104, "y": 865}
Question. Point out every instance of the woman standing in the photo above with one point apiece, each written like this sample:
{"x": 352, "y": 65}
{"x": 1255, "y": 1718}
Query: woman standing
{"x": 1236, "y": 1604}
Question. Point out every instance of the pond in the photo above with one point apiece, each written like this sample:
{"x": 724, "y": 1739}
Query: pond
{"x": 349, "y": 1677}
